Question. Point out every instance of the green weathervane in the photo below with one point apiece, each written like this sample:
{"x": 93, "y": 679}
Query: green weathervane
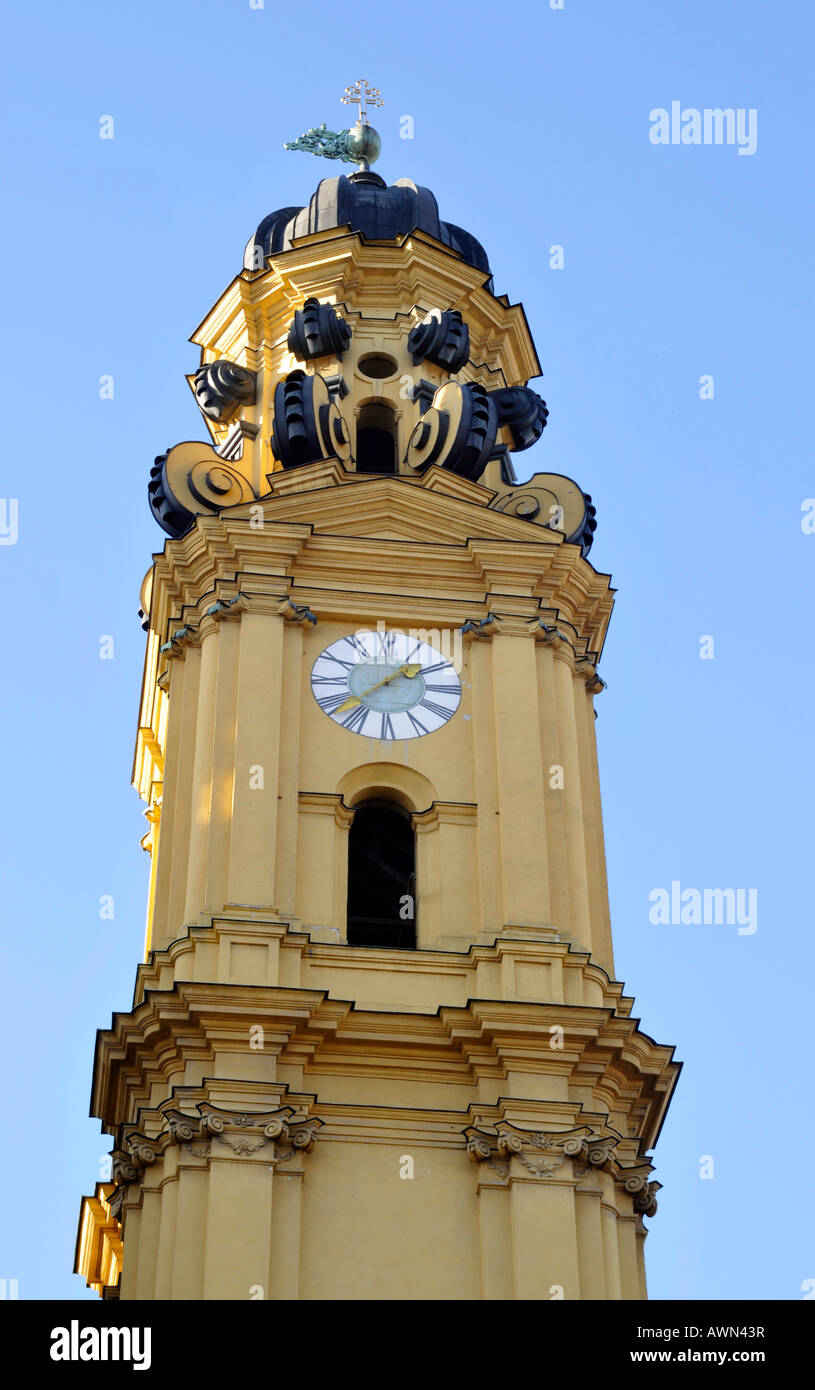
{"x": 360, "y": 145}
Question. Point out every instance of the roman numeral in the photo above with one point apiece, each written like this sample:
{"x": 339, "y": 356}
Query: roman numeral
{"x": 420, "y": 728}
{"x": 441, "y": 689}
{"x": 437, "y": 666}
{"x": 330, "y": 680}
{"x": 387, "y": 727}
{"x": 387, "y": 645}
{"x": 433, "y": 708}
{"x": 355, "y": 719}
{"x": 329, "y": 702}
{"x": 346, "y": 665}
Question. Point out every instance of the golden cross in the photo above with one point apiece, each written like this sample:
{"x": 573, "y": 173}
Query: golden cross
{"x": 362, "y": 94}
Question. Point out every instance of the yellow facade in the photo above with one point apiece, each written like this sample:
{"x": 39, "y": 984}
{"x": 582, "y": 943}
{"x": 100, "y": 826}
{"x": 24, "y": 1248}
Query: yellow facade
{"x": 300, "y": 1117}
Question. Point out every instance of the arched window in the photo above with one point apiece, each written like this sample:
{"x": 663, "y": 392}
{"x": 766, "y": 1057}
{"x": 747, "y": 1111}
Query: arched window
{"x": 376, "y": 439}
{"x": 381, "y": 877}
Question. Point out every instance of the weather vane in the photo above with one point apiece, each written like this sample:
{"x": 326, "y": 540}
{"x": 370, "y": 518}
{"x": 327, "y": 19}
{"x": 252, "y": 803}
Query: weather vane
{"x": 360, "y": 145}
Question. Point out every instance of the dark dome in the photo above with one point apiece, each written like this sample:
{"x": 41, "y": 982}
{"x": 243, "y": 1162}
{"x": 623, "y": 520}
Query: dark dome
{"x": 364, "y": 202}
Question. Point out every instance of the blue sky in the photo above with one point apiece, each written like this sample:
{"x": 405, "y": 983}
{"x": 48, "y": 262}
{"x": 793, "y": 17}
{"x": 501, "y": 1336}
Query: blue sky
{"x": 531, "y": 125}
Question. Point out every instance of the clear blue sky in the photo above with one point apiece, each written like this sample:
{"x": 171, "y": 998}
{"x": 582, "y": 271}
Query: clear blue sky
{"x": 531, "y": 126}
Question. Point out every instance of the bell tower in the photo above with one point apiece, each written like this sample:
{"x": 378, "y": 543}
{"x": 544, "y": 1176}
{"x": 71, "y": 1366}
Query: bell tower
{"x": 377, "y": 1049}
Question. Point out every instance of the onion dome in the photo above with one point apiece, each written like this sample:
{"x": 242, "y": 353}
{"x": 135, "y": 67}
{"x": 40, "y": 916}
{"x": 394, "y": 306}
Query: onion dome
{"x": 365, "y": 203}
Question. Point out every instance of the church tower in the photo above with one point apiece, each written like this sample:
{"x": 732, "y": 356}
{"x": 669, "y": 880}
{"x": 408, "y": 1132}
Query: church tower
{"x": 377, "y": 1049}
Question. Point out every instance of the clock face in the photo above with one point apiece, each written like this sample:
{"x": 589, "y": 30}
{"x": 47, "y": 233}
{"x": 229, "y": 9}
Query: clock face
{"x": 385, "y": 685}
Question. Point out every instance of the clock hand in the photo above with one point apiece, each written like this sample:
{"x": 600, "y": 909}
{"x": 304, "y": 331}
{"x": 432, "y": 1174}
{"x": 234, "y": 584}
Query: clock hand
{"x": 410, "y": 669}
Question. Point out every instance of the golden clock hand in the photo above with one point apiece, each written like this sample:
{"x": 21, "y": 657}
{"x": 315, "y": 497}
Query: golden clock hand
{"x": 410, "y": 669}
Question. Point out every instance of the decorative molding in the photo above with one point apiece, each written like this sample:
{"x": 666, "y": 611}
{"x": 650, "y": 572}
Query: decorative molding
{"x": 337, "y": 385}
{"x": 444, "y": 813}
{"x": 422, "y": 392}
{"x": 481, "y": 631}
{"x": 244, "y": 1133}
{"x": 226, "y": 608}
{"x": 329, "y": 804}
{"x": 514, "y": 625}
{"x": 296, "y": 613}
{"x": 190, "y": 634}
{"x": 232, "y": 447}
{"x": 184, "y": 636}
{"x": 339, "y": 267}
{"x": 310, "y": 477}
{"x": 643, "y": 1192}
{"x": 574, "y": 650}
{"x": 152, "y": 815}
{"x": 176, "y": 1018}
{"x": 543, "y": 1153}
{"x": 98, "y": 1256}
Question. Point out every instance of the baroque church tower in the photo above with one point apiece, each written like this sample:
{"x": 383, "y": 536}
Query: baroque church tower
{"x": 377, "y": 1049}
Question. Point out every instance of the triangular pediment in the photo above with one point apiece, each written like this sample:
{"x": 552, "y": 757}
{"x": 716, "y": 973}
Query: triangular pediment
{"x": 437, "y": 508}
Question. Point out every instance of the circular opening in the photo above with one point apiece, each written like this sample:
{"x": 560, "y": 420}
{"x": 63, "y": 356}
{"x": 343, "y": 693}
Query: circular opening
{"x": 377, "y": 366}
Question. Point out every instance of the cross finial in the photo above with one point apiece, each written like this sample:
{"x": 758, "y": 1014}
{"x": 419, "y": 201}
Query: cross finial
{"x": 362, "y": 94}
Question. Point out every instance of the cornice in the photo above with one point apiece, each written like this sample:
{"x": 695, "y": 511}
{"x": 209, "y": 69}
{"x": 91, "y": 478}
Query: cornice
{"x": 444, "y": 813}
{"x": 485, "y": 1039}
{"x": 251, "y": 926}
{"x": 380, "y": 279}
{"x": 202, "y": 619}
{"x": 338, "y": 552}
{"x": 327, "y": 803}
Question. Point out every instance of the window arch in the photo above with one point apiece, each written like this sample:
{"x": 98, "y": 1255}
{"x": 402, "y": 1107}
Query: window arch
{"x": 381, "y": 877}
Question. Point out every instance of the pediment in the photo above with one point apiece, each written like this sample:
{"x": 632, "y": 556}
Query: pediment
{"x": 438, "y": 508}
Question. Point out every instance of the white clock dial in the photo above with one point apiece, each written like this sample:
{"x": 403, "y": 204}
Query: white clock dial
{"x": 385, "y": 685}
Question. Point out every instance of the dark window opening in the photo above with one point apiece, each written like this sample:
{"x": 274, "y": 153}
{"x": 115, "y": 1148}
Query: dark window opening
{"x": 381, "y": 878}
{"x": 376, "y": 440}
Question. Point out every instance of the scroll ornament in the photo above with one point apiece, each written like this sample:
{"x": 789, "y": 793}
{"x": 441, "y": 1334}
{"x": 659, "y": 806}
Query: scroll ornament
{"x": 191, "y": 480}
{"x": 524, "y": 414}
{"x": 317, "y": 330}
{"x": 443, "y": 338}
{"x": 460, "y": 429}
{"x": 308, "y": 424}
{"x": 284, "y": 1131}
{"x": 457, "y": 432}
{"x": 221, "y": 387}
{"x": 542, "y": 1153}
{"x": 550, "y": 500}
